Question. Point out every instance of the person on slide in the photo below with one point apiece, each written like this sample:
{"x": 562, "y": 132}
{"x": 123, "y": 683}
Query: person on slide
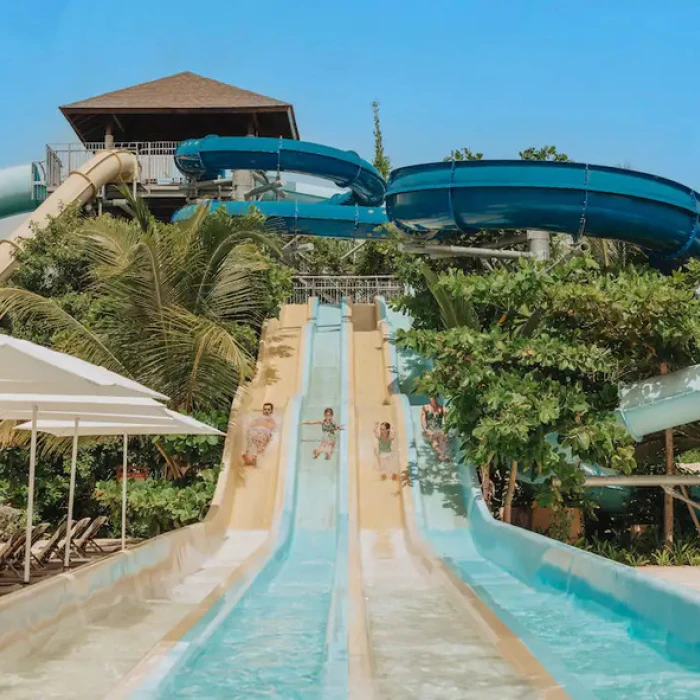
{"x": 329, "y": 430}
{"x": 432, "y": 421}
{"x": 259, "y": 435}
{"x": 386, "y": 457}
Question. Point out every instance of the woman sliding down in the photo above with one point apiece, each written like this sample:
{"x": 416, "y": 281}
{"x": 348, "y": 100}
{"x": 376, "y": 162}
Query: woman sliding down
{"x": 259, "y": 435}
{"x": 432, "y": 420}
{"x": 329, "y": 428}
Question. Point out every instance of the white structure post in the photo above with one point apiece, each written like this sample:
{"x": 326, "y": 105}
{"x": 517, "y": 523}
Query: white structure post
{"x": 71, "y": 494}
{"x": 124, "y": 479}
{"x": 30, "y": 499}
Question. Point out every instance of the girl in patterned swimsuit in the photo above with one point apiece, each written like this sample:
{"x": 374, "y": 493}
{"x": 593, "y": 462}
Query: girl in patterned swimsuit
{"x": 329, "y": 429}
{"x": 386, "y": 458}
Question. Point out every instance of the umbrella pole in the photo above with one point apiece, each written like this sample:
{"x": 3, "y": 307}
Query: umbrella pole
{"x": 30, "y": 500}
{"x": 71, "y": 494}
{"x": 124, "y": 478}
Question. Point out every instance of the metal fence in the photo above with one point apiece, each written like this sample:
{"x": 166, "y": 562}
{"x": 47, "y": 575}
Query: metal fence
{"x": 155, "y": 158}
{"x": 331, "y": 290}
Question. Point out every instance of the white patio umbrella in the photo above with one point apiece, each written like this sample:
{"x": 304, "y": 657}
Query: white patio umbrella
{"x": 23, "y": 363}
{"x": 173, "y": 424}
{"x": 34, "y": 378}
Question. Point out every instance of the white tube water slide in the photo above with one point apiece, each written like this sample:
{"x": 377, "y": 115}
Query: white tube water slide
{"x": 80, "y": 187}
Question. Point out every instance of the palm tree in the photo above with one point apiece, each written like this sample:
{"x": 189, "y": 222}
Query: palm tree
{"x": 176, "y": 305}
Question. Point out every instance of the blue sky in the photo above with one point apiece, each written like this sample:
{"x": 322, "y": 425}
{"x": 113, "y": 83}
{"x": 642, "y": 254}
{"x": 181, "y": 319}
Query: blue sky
{"x": 607, "y": 81}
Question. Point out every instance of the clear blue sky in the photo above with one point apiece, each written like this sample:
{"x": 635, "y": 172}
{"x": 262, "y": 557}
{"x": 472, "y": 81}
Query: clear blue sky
{"x": 606, "y": 81}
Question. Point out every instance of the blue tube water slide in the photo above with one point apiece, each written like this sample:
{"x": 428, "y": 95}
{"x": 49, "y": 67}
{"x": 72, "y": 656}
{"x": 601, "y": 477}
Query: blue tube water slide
{"x": 207, "y": 158}
{"x": 451, "y": 198}
{"x": 317, "y": 219}
{"x": 357, "y": 214}
{"x": 574, "y": 198}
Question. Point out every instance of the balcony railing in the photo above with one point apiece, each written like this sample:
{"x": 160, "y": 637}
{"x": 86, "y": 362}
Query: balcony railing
{"x": 331, "y": 290}
{"x": 155, "y": 158}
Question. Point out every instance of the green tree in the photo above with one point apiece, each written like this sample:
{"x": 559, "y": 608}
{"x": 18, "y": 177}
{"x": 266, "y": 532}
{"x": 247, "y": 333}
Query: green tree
{"x": 463, "y": 154}
{"x": 546, "y": 356}
{"x": 380, "y": 161}
{"x": 543, "y": 153}
{"x": 176, "y": 307}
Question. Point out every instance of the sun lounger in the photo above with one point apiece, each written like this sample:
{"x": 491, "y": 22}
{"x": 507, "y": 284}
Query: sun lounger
{"x": 11, "y": 550}
{"x": 51, "y": 547}
{"x": 12, "y": 555}
{"x": 86, "y": 541}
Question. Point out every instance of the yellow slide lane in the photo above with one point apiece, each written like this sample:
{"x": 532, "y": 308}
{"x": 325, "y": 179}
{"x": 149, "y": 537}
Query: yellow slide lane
{"x": 125, "y": 640}
{"x": 277, "y": 381}
{"x": 422, "y": 644}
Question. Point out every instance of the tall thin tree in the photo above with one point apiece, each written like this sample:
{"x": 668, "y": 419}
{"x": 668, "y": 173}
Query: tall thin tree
{"x": 381, "y": 161}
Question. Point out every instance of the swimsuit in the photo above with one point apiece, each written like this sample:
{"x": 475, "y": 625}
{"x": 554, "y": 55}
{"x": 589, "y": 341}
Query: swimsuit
{"x": 384, "y": 444}
{"x": 328, "y": 429}
{"x": 259, "y": 435}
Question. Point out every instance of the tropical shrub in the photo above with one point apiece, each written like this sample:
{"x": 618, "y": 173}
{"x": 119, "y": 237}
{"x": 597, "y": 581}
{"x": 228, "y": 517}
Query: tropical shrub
{"x": 539, "y": 349}
{"x": 157, "y": 505}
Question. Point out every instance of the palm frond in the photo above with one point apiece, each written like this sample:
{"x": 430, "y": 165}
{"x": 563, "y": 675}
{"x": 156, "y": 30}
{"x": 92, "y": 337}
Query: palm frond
{"x": 454, "y": 312}
{"x": 26, "y": 307}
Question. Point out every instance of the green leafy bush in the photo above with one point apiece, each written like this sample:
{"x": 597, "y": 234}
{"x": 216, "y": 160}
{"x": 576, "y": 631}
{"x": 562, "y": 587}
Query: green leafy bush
{"x": 157, "y": 505}
{"x": 645, "y": 549}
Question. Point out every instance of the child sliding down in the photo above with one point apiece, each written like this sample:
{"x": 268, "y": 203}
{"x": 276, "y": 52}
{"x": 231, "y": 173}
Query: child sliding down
{"x": 329, "y": 428}
{"x": 386, "y": 459}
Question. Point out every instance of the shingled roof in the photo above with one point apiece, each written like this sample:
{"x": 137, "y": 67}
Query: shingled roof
{"x": 180, "y": 94}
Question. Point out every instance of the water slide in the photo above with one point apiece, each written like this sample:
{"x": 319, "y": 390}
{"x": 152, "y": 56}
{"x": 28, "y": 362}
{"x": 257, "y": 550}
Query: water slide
{"x": 428, "y": 635}
{"x": 574, "y": 198}
{"x": 281, "y": 627}
{"x": 80, "y": 187}
{"x": 21, "y": 190}
{"x": 356, "y": 214}
{"x": 346, "y": 601}
{"x": 600, "y": 629}
{"x": 104, "y": 626}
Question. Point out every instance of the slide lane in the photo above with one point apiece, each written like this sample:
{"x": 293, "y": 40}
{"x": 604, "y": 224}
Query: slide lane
{"x": 424, "y": 640}
{"x": 277, "y": 634}
{"x": 590, "y": 644}
{"x": 125, "y": 637}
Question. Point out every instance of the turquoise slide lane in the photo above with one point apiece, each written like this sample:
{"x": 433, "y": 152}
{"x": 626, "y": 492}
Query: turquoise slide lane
{"x": 284, "y": 637}
{"x": 592, "y": 643}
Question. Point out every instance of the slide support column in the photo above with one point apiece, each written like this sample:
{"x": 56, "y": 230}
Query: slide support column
{"x": 539, "y": 244}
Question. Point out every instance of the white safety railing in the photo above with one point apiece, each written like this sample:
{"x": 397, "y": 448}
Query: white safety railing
{"x": 331, "y": 290}
{"x": 155, "y": 158}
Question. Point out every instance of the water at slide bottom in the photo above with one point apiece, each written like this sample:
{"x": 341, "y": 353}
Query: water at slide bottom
{"x": 606, "y": 656}
{"x": 273, "y": 642}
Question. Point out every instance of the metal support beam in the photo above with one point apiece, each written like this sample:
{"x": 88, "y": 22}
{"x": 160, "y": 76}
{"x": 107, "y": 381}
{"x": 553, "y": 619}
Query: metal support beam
{"x": 274, "y": 186}
{"x": 674, "y": 494}
{"x": 642, "y": 480}
{"x": 354, "y": 250}
{"x": 455, "y": 251}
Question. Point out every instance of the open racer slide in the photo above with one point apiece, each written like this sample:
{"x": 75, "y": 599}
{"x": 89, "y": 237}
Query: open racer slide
{"x": 92, "y": 627}
{"x": 600, "y": 629}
